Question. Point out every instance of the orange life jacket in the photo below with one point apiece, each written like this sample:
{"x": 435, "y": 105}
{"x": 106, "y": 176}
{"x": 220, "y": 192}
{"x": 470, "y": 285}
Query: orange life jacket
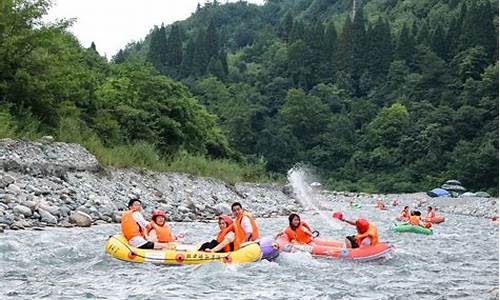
{"x": 163, "y": 233}
{"x": 299, "y": 233}
{"x": 233, "y": 246}
{"x": 240, "y": 232}
{"x": 372, "y": 233}
{"x": 130, "y": 228}
{"x": 415, "y": 220}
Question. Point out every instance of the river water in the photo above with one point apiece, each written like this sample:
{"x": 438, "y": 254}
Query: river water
{"x": 459, "y": 261}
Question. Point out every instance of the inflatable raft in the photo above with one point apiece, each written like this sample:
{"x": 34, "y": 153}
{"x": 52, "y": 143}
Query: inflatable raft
{"x": 435, "y": 219}
{"x": 336, "y": 249}
{"x": 118, "y": 247}
{"x": 405, "y": 227}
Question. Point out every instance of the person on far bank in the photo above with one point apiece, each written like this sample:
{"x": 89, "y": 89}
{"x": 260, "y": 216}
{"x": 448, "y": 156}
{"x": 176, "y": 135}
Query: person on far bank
{"x": 367, "y": 234}
{"x": 245, "y": 227}
{"x": 134, "y": 226}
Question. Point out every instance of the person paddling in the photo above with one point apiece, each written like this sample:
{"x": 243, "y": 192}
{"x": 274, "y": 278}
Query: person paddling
{"x": 367, "y": 234}
{"x": 245, "y": 226}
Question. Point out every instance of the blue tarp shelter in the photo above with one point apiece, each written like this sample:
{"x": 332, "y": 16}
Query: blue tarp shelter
{"x": 438, "y": 192}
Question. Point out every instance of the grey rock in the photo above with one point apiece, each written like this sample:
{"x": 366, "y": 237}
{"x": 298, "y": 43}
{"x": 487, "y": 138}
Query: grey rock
{"x": 47, "y": 217}
{"x": 80, "y": 219}
{"x": 13, "y": 189}
{"x": 17, "y": 225}
{"x": 22, "y": 210}
{"x": 6, "y": 180}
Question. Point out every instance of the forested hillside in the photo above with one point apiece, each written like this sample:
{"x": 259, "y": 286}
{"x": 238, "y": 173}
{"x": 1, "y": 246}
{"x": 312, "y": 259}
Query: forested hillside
{"x": 387, "y": 96}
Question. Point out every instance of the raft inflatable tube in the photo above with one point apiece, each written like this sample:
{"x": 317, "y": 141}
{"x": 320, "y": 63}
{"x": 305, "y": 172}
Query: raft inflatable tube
{"x": 118, "y": 247}
{"x": 435, "y": 220}
{"x": 405, "y": 227}
{"x": 336, "y": 249}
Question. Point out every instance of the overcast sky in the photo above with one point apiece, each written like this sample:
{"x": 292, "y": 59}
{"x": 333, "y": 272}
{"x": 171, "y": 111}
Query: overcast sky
{"x": 111, "y": 24}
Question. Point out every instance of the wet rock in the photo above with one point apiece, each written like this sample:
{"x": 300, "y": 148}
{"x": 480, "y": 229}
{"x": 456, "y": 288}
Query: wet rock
{"x": 47, "y": 217}
{"x": 80, "y": 219}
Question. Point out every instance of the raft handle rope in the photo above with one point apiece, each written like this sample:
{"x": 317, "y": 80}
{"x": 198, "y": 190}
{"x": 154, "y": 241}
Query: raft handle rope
{"x": 160, "y": 259}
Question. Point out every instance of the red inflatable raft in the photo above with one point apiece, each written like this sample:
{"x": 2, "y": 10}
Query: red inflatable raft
{"x": 336, "y": 249}
{"x": 436, "y": 219}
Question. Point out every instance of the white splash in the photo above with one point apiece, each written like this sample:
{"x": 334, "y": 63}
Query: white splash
{"x": 300, "y": 178}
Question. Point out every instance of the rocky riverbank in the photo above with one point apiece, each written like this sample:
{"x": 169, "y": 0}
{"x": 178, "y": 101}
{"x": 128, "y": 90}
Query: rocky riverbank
{"x": 46, "y": 183}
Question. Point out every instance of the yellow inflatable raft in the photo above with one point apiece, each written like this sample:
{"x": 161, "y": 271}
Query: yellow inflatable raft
{"x": 118, "y": 247}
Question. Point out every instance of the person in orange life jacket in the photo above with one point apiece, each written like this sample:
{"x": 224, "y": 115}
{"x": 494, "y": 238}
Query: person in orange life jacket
{"x": 415, "y": 218}
{"x": 405, "y": 214}
{"x": 431, "y": 213}
{"x": 226, "y": 238}
{"x": 297, "y": 231}
{"x": 367, "y": 234}
{"x": 159, "y": 231}
{"x": 133, "y": 226}
{"x": 245, "y": 227}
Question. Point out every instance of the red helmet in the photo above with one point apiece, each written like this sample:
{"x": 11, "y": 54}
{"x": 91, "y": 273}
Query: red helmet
{"x": 226, "y": 219}
{"x": 157, "y": 213}
{"x": 362, "y": 225}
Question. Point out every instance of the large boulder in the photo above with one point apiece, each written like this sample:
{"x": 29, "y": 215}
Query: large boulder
{"x": 80, "y": 219}
{"x": 22, "y": 210}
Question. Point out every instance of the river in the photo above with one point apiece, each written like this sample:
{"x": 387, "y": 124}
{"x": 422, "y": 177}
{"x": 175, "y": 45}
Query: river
{"x": 459, "y": 261}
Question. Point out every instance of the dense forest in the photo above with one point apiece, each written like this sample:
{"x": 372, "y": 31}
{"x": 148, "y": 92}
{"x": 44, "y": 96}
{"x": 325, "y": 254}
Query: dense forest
{"x": 386, "y": 96}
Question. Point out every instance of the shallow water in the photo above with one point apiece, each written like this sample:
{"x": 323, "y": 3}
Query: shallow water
{"x": 459, "y": 261}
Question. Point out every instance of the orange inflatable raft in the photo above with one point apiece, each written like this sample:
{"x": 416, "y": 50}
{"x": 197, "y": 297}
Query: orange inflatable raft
{"x": 435, "y": 220}
{"x": 336, "y": 249}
